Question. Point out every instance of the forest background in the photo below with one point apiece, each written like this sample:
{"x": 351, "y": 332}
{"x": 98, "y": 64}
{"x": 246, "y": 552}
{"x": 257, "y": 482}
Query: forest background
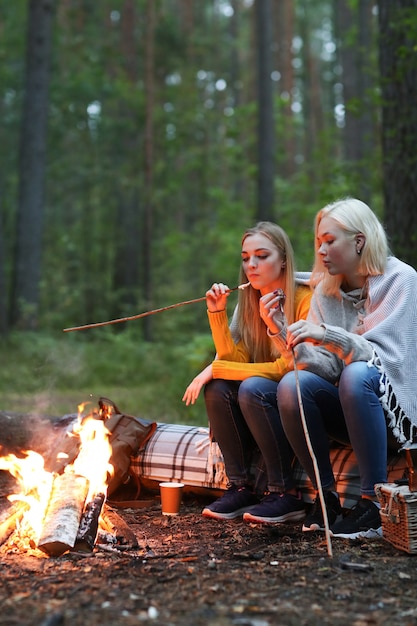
{"x": 140, "y": 138}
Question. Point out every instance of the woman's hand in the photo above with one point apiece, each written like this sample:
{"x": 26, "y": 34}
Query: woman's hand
{"x": 304, "y": 331}
{"x": 216, "y": 297}
{"x": 271, "y": 310}
{"x": 193, "y": 390}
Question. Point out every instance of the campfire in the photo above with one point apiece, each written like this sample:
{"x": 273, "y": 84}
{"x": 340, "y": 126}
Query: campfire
{"x": 59, "y": 502}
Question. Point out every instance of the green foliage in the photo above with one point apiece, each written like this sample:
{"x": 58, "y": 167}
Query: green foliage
{"x": 52, "y": 375}
{"x": 202, "y": 191}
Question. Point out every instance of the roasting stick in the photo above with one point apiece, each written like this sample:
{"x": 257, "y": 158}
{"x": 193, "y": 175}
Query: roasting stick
{"x": 313, "y": 458}
{"x": 146, "y": 313}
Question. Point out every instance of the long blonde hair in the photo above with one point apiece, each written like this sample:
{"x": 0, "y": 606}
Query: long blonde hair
{"x": 354, "y": 217}
{"x": 251, "y": 327}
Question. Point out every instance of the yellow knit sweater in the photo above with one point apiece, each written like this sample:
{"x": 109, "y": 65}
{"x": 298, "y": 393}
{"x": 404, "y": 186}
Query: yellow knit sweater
{"x": 232, "y": 362}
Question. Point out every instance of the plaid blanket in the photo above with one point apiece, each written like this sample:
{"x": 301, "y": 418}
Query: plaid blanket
{"x": 185, "y": 453}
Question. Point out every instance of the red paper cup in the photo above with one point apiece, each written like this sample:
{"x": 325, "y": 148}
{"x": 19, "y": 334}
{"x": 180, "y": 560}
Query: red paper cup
{"x": 171, "y": 494}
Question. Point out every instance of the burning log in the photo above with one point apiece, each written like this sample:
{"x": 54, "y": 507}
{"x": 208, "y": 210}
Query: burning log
{"x": 88, "y": 528}
{"x": 12, "y": 517}
{"x": 63, "y": 515}
{"x": 65, "y": 499}
{"x": 120, "y": 529}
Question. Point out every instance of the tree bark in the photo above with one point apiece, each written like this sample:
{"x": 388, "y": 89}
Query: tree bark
{"x": 63, "y": 514}
{"x": 354, "y": 34}
{"x": 128, "y": 251}
{"x": 28, "y": 252}
{"x": 149, "y": 157}
{"x": 285, "y": 15}
{"x": 266, "y": 128}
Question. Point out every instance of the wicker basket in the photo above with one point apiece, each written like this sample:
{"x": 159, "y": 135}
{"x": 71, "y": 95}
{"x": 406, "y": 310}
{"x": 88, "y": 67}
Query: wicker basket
{"x": 398, "y": 515}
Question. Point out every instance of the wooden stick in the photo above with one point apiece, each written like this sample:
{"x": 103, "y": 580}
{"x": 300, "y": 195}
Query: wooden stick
{"x": 313, "y": 458}
{"x": 118, "y": 527}
{"x": 146, "y": 313}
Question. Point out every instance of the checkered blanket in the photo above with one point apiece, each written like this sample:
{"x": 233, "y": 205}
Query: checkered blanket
{"x": 185, "y": 453}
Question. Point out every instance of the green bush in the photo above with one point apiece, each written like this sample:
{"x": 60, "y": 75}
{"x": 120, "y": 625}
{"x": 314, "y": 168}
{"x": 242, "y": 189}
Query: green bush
{"x": 52, "y": 374}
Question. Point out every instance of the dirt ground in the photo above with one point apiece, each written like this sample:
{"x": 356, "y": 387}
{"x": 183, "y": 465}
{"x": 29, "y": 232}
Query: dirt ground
{"x": 192, "y": 571}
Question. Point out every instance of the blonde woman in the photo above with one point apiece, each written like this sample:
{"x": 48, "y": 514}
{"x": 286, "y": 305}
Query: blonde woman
{"x": 241, "y": 383}
{"x": 356, "y": 354}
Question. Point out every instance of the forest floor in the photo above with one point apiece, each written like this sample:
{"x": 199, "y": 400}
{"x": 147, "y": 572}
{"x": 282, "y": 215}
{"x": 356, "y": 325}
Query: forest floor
{"x": 191, "y": 571}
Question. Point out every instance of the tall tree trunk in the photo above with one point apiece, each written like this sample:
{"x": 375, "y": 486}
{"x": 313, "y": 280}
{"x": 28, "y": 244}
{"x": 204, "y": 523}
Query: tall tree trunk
{"x": 28, "y": 252}
{"x": 285, "y": 15}
{"x": 148, "y": 226}
{"x": 366, "y": 83}
{"x": 345, "y": 25}
{"x": 354, "y": 28}
{"x": 312, "y": 101}
{"x": 266, "y": 129}
{"x": 398, "y": 68}
{"x": 235, "y": 82}
{"x": 128, "y": 249}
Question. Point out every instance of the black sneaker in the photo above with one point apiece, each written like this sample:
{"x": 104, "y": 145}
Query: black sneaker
{"x": 276, "y": 507}
{"x": 232, "y": 504}
{"x": 314, "y": 520}
{"x": 362, "y": 520}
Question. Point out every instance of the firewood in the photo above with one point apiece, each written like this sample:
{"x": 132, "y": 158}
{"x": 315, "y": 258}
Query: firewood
{"x": 63, "y": 514}
{"x": 118, "y": 527}
{"x": 10, "y": 518}
{"x": 87, "y": 531}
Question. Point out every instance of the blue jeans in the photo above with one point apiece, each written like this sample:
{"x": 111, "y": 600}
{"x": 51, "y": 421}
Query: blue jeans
{"x": 244, "y": 416}
{"x": 349, "y": 413}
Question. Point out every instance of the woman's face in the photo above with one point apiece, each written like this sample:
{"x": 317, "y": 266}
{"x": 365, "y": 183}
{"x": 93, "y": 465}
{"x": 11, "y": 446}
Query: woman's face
{"x": 262, "y": 263}
{"x": 338, "y": 251}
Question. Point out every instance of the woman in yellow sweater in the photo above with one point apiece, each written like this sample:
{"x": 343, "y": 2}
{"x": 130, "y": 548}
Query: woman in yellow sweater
{"x": 241, "y": 383}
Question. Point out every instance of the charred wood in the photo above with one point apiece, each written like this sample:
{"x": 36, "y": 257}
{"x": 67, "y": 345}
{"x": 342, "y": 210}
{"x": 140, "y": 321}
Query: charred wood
{"x": 88, "y": 528}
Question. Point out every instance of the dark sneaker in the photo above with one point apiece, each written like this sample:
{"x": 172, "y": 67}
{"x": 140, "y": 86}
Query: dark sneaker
{"x": 314, "y": 519}
{"x": 232, "y": 504}
{"x": 276, "y": 507}
{"x": 362, "y": 520}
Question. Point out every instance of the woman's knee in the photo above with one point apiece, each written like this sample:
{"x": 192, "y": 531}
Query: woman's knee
{"x": 286, "y": 391}
{"x": 356, "y": 371}
{"x": 216, "y": 387}
{"x": 254, "y": 385}
{"x": 358, "y": 376}
{"x": 255, "y": 390}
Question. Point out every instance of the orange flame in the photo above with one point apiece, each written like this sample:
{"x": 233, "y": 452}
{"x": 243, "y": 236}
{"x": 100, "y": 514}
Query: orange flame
{"x": 35, "y": 483}
{"x": 92, "y": 461}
